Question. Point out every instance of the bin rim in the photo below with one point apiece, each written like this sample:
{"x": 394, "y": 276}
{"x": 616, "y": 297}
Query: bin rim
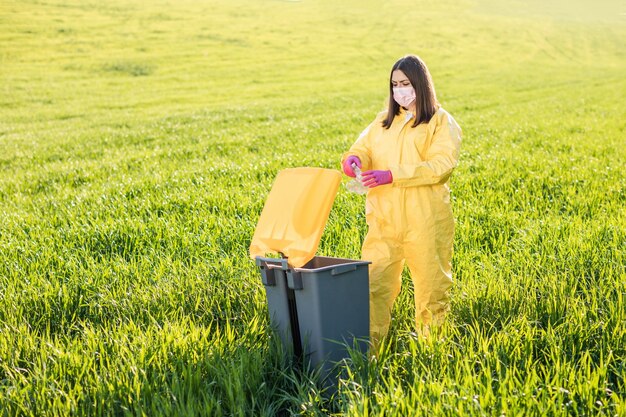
{"x": 356, "y": 262}
{"x": 283, "y": 263}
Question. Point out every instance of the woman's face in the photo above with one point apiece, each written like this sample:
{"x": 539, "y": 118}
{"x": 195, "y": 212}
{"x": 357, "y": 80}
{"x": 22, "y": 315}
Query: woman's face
{"x": 403, "y": 91}
{"x": 398, "y": 79}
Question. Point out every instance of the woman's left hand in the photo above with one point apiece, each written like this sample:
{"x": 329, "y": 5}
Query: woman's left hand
{"x": 373, "y": 179}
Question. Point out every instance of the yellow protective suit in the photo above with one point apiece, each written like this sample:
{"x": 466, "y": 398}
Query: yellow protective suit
{"x": 409, "y": 220}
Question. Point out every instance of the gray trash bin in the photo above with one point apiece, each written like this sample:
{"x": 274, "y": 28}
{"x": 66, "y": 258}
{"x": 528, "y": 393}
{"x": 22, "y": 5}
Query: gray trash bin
{"x": 319, "y": 305}
{"x": 321, "y": 309}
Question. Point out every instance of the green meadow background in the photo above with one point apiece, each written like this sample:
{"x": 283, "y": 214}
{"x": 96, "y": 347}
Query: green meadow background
{"x": 139, "y": 140}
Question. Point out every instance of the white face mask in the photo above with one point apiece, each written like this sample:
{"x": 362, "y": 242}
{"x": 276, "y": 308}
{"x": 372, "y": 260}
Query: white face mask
{"x": 404, "y": 96}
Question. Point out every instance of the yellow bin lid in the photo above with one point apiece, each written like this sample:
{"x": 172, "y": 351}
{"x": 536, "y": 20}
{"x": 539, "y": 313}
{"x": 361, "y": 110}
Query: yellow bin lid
{"x": 295, "y": 213}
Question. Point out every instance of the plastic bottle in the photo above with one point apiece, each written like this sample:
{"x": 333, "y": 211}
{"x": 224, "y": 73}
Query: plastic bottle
{"x": 356, "y": 185}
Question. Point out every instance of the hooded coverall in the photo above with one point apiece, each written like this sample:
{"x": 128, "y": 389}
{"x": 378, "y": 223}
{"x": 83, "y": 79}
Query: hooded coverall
{"x": 409, "y": 220}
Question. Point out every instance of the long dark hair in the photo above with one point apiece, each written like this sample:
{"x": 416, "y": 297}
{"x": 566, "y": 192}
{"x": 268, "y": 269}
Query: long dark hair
{"x": 425, "y": 98}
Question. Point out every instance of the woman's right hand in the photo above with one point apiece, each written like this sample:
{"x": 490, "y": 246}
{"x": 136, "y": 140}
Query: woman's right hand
{"x": 347, "y": 165}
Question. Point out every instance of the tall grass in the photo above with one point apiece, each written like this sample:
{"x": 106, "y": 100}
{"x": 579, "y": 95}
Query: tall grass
{"x": 138, "y": 143}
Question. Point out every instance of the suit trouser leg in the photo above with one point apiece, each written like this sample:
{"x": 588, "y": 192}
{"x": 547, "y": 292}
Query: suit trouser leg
{"x": 385, "y": 279}
{"x": 431, "y": 273}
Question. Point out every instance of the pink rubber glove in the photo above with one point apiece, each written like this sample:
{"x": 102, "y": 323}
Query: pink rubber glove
{"x": 347, "y": 165}
{"x": 373, "y": 179}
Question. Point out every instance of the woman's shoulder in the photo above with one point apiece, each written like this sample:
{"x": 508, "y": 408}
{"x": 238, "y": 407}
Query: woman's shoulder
{"x": 440, "y": 116}
{"x": 382, "y": 115}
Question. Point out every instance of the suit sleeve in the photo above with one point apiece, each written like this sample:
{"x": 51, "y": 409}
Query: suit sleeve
{"x": 440, "y": 160}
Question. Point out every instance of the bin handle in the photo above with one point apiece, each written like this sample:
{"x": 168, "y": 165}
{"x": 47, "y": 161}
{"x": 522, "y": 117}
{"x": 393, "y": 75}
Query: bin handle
{"x": 294, "y": 280}
{"x": 273, "y": 263}
{"x": 342, "y": 269}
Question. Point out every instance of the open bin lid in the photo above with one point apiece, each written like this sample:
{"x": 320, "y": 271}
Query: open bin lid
{"x": 295, "y": 214}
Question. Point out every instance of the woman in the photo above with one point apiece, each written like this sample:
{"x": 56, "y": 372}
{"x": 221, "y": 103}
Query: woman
{"x": 407, "y": 155}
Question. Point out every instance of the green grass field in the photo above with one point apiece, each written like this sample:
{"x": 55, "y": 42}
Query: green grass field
{"x": 139, "y": 140}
